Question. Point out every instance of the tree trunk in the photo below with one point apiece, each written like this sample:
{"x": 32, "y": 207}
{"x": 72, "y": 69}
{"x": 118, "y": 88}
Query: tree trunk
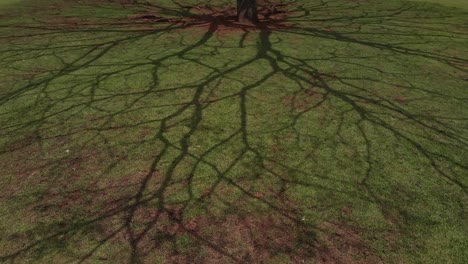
{"x": 247, "y": 11}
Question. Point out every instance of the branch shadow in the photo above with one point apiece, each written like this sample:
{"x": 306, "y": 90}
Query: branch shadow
{"x": 137, "y": 141}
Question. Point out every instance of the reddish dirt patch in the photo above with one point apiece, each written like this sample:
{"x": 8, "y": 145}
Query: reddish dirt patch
{"x": 343, "y": 243}
{"x": 258, "y": 238}
{"x": 148, "y": 17}
{"x": 216, "y": 19}
{"x": 254, "y": 239}
{"x": 400, "y": 99}
{"x": 210, "y": 18}
{"x": 307, "y": 99}
{"x": 265, "y": 237}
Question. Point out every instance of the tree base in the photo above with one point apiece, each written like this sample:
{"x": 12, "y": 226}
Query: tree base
{"x": 247, "y": 12}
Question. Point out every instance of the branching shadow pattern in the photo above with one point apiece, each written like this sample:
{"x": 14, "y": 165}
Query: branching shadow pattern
{"x": 209, "y": 141}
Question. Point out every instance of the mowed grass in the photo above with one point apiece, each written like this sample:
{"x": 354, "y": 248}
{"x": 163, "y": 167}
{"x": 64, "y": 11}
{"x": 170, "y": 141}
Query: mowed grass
{"x": 338, "y": 135}
{"x": 451, "y": 3}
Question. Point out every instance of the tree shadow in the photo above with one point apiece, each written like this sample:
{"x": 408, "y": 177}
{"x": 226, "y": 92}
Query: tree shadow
{"x": 163, "y": 140}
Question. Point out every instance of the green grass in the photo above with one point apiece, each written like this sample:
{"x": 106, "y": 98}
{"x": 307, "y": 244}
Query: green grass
{"x": 451, "y": 3}
{"x": 340, "y": 135}
{"x": 9, "y": 2}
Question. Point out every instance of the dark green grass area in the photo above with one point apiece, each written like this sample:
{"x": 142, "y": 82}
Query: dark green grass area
{"x": 334, "y": 133}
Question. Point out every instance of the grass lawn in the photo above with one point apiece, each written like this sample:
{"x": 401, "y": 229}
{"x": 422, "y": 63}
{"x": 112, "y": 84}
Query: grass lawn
{"x": 452, "y": 3}
{"x": 156, "y": 132}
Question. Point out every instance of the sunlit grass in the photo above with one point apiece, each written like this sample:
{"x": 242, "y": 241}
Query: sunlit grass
{"x": 341, "y": 134}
